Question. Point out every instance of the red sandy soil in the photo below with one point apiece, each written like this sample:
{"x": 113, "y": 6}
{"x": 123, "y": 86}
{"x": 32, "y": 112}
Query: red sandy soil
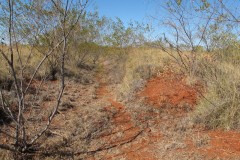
{"x": 170, "y": 88}
{"x": 151, "y": 135}
{"x": 170, "y": 92}
{"x": 222, "y": 144}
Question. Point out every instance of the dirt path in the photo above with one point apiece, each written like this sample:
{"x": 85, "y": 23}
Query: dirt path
{"x": 163, "y": 129}
{"x": 154, "y": 126}
{"x": 126, "y": 138}
{"x": 92, "y": 124}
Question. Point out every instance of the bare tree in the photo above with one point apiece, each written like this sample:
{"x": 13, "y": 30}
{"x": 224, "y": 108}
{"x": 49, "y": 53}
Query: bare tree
{"x": 187, "y": 23}
{"x": 27, "y": 23}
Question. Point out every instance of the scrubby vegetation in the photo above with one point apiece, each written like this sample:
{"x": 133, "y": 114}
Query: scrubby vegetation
{"x": 209, "y": 54}
{"x": 56, "y": 60}
{"x": 142, "y": 64}
{"x": 220, "y": 105}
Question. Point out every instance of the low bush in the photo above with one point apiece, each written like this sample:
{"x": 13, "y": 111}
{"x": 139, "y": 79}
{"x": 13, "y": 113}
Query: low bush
{"x": 219, "y": 106}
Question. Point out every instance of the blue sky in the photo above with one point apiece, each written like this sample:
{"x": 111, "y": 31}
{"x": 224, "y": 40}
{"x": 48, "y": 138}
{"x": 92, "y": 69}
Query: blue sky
{"x": 129, "y": 10}
{"x": 142, "y": 10}
{"x": 126, "y": 10}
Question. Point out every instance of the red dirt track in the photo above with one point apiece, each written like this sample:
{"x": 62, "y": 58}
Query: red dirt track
{"x": 169, "y": 91}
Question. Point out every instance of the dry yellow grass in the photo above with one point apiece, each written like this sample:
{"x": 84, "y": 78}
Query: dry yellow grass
{"x": 29, "y": 57}
{"x": 153, "y": 59}
{"x": 220, "y": 105}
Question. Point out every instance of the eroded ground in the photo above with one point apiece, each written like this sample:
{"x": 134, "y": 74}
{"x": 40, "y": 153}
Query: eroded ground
{"x": 93, "y": 124}
{"x": 157, "y": 125}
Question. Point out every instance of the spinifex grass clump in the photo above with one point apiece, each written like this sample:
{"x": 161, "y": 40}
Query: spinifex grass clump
{"x": 220, "y": 106}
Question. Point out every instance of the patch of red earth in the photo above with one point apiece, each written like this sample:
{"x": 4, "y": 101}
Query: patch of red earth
{"x": 125, "y": 135}
{"x": 223, "y": 144}
{"x": 170, "y": 89}
{"x": 102, "y": 90}
{"x": 139, "y": 148}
